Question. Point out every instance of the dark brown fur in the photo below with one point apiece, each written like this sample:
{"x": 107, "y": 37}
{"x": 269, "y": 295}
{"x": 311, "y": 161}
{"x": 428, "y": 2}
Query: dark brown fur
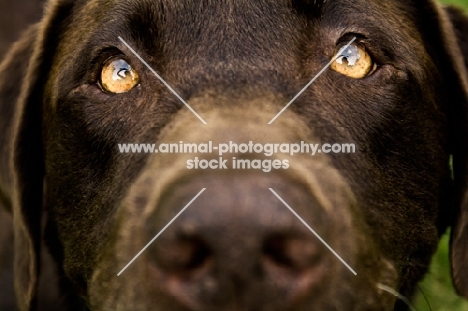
{"x": 237, "y": 63}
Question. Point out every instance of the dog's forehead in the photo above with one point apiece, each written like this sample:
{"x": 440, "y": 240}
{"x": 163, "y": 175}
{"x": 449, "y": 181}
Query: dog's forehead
{"x": 194, "y": 20}
{"x": 160, "y": 10}
{"x": 242, "y": 35}
{"x": 245, "y": 27}
{"x": 242, "y": 40}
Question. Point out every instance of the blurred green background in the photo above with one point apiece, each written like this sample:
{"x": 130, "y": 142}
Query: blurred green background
{"x": 435, "y": 292}
{"x": 461, "y": 3}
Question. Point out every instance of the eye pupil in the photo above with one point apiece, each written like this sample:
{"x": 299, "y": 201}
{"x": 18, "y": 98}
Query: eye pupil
{"x": 351, "y": 55}
{"x": 118, "y": 74}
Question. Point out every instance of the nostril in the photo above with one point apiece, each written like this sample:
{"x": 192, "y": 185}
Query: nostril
{"x": 291, "y": 253}
{"x": 294, "y": 265}
{"x": 199, "y": 255}
{"x": 274, "y": 250}
{"x": 184, "y": 256}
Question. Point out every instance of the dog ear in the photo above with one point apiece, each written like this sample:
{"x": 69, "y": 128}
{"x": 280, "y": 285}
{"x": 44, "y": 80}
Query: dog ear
{"x": 25, "y": 197}
{"x": 22, "y": 80}
{"x": 453, "y": 24}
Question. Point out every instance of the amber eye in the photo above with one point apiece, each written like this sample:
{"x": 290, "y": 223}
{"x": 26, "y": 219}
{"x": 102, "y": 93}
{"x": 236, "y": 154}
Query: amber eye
{"x": 353, "y": 62}
{"x": 117, "y": 76}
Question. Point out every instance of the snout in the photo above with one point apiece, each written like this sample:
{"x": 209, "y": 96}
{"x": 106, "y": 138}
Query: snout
{"x": 291, "y": 238}
{"x": 237, "y": 243}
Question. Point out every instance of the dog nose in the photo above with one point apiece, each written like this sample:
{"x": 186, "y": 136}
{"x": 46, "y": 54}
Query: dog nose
{"x": 238, "y": 237}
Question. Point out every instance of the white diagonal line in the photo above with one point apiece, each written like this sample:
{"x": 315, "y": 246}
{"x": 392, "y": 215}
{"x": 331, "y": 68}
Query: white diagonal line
{"x": 315, "y": 233}
{"x": 396, "y": 294}
{"x": 313, "y": 80}
{"x": 162, "y": 230}
{"x": 162, "y": 80}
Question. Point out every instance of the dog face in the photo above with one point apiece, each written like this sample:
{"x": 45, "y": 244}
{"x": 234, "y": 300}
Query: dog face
{"x": 399, "y": 96}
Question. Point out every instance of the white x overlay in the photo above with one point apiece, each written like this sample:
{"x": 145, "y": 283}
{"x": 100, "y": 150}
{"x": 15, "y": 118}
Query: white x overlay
{"x": 203, "y": 121}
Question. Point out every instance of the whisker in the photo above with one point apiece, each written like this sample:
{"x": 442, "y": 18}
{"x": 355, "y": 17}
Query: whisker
{"x": 425, "y": 297}
{"x": 396, "y": 294}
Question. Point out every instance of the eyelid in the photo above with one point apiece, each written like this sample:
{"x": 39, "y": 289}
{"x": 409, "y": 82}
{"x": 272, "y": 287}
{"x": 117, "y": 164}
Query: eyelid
{"x": 361, "y": 40}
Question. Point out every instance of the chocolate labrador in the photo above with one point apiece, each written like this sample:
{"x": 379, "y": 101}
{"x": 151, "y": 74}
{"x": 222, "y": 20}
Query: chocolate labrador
{"x": 223, "y": 225}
